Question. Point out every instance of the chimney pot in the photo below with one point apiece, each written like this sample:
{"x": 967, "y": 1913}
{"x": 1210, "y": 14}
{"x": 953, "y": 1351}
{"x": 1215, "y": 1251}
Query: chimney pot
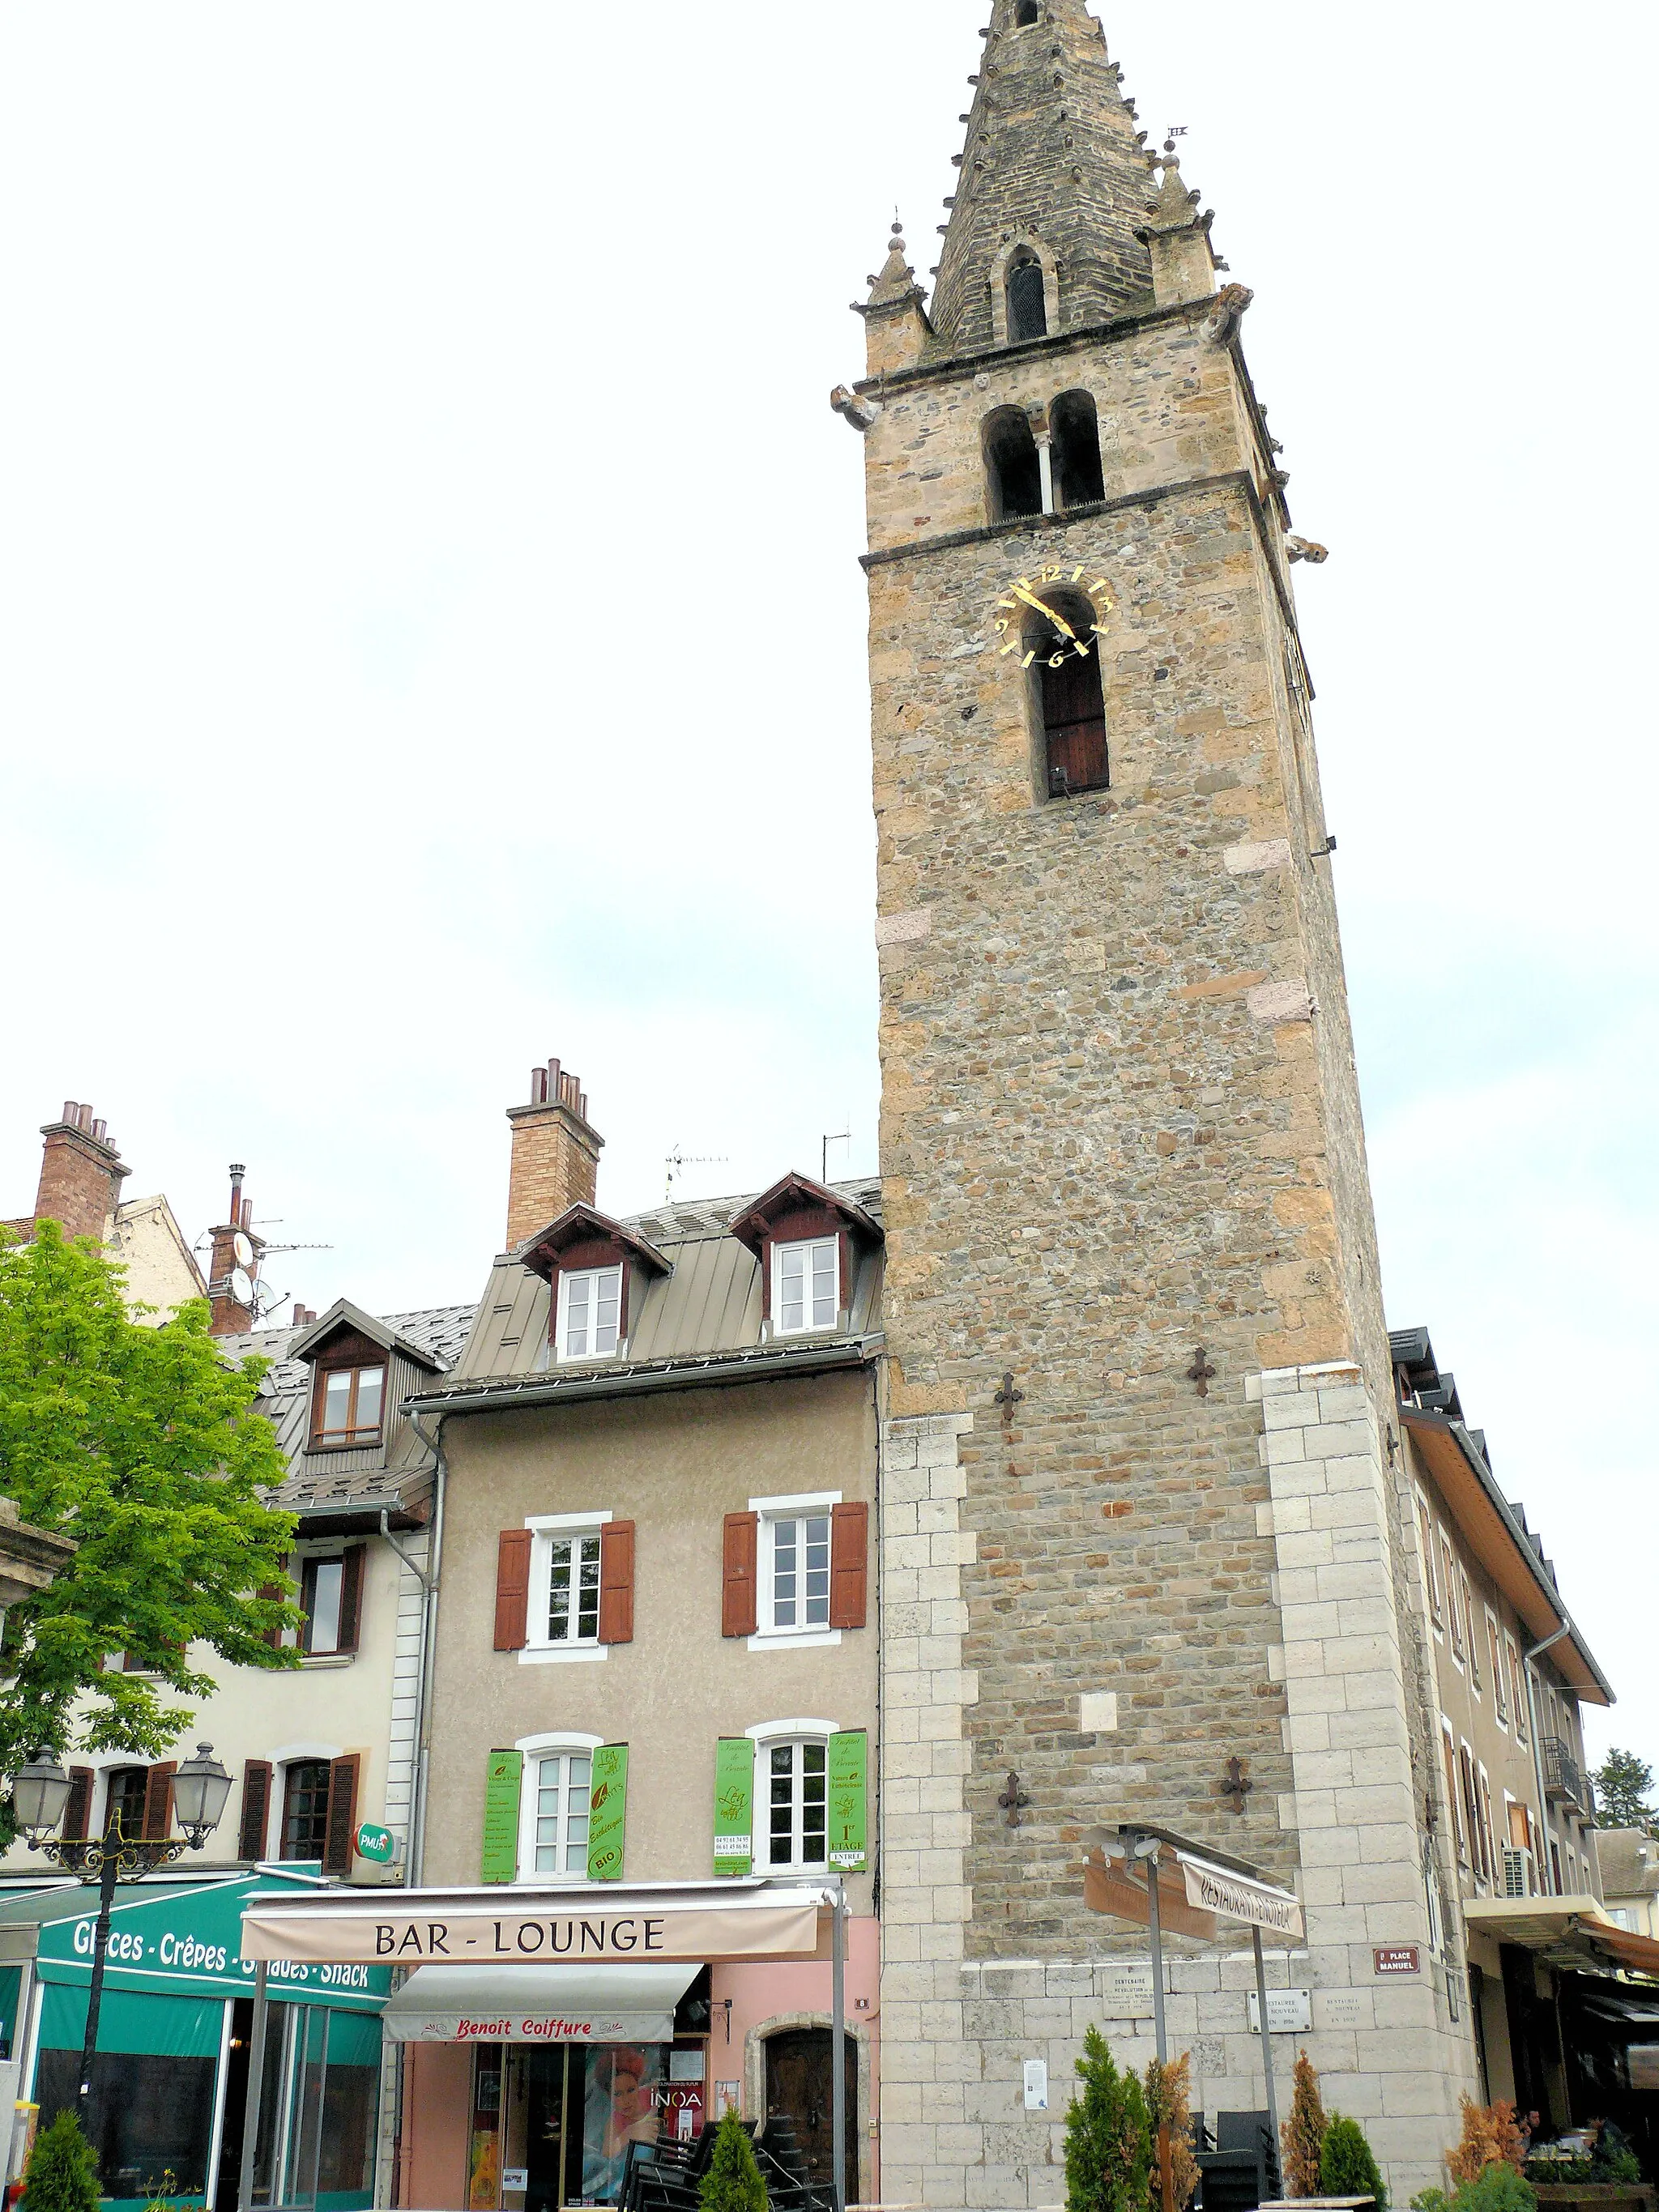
{"x": 98, "y": 1130}
{"x": 556, "y": 1154}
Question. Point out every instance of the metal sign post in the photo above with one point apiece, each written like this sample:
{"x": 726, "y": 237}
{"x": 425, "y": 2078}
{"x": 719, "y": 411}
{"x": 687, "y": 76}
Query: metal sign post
{"x": 1266, "y": 2046}
{"x": 838, "y": 2040}
{"x": 1156, "y": 1932}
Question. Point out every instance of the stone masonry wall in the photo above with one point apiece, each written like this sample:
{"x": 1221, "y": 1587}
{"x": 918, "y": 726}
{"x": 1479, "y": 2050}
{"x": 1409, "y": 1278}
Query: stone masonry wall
{"x": 1120, "y": 1121}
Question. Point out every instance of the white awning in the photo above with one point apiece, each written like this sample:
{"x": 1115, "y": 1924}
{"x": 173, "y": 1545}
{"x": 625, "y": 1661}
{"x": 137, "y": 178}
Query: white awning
{"x": 589, "y": 2003}
{"x": 525, "y": 1926}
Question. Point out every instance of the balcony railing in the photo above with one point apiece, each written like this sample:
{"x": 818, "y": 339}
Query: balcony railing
{"x": 1562, "y": 1779}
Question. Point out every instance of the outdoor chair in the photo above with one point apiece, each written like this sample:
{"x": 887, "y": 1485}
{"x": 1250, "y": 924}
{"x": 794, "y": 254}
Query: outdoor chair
{"x": 1242, "y": 2171}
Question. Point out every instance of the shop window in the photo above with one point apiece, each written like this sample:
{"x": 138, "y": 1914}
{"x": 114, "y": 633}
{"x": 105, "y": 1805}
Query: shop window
{"x": 331, "y": 1595}
{"x": 805, "y": 1286}
{"x": 1074, "y": 423}
{"x": 305, "y": 1809}
{"x": 589, "y": 1313}
{"x": 1063, "y": 653}
{"x": 150, "y": 2121}
{"x": 1012, "y": 471}
{"x": 797, "y": 1803}
{"x": 559, "y": 1790}
{"x": 347, "y": 1407}
{"x": 1027, "y": 307}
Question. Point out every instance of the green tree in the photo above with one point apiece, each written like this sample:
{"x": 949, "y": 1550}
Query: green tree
{"x": 62, "y": 2175}
{"x": 142, "y": 1445}
{"x": 1347, "y": 2166}
{"x": 1109, "y": 2149}
{"x": 1623, "y": 1783}
{"x": 732, "y": 2183}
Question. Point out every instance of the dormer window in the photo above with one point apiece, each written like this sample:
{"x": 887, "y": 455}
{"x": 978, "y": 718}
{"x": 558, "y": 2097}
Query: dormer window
{"x": 349, "y": 1406}
{"x": 806, "y": 1287}
{"x": 589, "y": 1313}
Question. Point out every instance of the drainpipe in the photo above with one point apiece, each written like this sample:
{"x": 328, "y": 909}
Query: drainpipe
{"x": 1533, "y": 1652}
{"x": 428, "y": 1640}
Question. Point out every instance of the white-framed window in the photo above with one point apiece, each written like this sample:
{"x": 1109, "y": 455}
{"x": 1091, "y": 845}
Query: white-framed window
{"x": 805, "y": 1286}
{"x": 589, "y": 1313}
{"x": 553, "y": 1806}
{"x": 795, "y": 1559}
{"x": 563, "y": 1621}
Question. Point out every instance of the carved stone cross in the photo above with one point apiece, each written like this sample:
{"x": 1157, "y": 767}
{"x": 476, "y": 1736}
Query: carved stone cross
{"x": 1012, "y": 1798}
{"x": 1238, "y": 1784}
{"x": 1202, "y": 1372}
{"x": 1008, "y": 1397}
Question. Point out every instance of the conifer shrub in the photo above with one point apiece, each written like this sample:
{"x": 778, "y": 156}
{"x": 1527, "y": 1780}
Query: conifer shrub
{"x": 732, "y": 2183}
{"x": 1491, "y": 2137}
{"x": 1346, "y": 2165}
{"x": 63, "y": 2174}
{"x": 1496, "y": 2189}
{"x": 1302, "y": 2137}
{"x": 1169, "y": 2105}
{"x": 1109, "y": 2149}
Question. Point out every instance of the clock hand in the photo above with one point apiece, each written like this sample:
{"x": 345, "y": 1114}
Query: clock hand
{"x": 1032, "y": 600}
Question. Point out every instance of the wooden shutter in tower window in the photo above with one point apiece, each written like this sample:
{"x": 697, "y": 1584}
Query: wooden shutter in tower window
{"x": 158, "y": 1800}
{"x": 256, "y": 1808}
{"x": 513, "y": 1590}
{"x": 78, "y": 1811}
{"x": 849, "y": 1575}
{"x": 351, "y": 1597}
{"x": 740, "y": 1576}
{"x": 342, "y": 1814}
{"x": 617, "y": 1583}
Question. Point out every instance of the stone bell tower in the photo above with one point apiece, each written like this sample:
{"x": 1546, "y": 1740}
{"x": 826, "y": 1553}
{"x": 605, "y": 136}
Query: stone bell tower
{"x": 1140, "y": 1514}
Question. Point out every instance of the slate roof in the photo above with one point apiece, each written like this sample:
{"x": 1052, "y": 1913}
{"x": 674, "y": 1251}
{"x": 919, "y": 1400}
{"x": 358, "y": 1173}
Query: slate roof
{"x": 355, "y": 1482}
{"x": 703, "y": 1316}
{"x": 1629, "y": 1863}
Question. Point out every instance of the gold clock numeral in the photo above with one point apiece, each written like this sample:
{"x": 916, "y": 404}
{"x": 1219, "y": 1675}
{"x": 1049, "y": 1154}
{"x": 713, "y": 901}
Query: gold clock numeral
{"x": 1028, "y": 659}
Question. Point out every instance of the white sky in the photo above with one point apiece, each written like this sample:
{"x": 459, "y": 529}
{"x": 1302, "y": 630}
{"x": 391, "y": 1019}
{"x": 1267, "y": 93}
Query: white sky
{"x": 432, "y": 634}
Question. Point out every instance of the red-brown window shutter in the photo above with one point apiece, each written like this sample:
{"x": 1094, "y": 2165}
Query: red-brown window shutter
{"x": 513, "y": 1590}
{"x": 849, "y": 1566}
{"x": 342, "y": 1814}
{"x": 617, "y": 1583}
{"x": 272, "y": 1591}
{"x": 78, "y": 1811}
{"x": 740, "y": 1584}
{"x": 256, "y": 1808}
{"x": 158, "y": 1800}
{"x": 351, "y": 1597}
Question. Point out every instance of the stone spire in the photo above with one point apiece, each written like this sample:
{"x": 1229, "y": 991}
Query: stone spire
{"x": 1183, "y": 260}
{"x": 1052, "y": 158}
{"x": 894, "y": 320}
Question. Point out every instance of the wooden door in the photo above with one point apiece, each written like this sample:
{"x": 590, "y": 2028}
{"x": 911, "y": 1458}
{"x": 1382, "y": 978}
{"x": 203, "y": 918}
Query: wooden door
{"x": 797, "y": 2084}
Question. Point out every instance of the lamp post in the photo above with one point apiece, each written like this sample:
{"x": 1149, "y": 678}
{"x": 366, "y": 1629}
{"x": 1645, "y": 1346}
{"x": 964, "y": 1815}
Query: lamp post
{"x": 40, "y": 1794}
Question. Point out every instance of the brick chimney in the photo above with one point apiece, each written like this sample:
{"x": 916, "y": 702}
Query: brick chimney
{"x": 236, "y": 1253}
{"x": 80, "y": 1174}
{"x": 555, "y": 1153}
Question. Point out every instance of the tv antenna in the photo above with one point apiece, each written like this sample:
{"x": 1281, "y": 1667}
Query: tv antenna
{"x": 838, "y": 1137}
{"x": 678, "y": 1162}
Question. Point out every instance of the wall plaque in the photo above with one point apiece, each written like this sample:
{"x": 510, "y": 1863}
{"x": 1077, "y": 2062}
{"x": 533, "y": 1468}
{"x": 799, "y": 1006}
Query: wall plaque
{"x": 1126, "y": 1990}
{"x": 1289, "y": 2013}
{"x": 1397, "y": 1958}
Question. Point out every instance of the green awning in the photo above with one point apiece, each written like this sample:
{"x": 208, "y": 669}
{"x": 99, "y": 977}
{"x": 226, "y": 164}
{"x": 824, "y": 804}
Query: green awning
{"x": 163, "y": 2027}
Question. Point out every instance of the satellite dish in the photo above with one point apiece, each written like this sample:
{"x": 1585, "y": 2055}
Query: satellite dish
{"x": 241, "y": 1288}
{"x": 243, "y": 1249}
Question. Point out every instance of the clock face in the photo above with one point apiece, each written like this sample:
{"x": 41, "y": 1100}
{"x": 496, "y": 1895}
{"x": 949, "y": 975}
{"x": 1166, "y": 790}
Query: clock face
{"x": 1055, "y": 593}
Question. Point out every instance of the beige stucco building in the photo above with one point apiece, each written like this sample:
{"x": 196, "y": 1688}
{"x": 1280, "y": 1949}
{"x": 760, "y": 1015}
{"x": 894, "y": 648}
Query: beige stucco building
{"x": 656, "y": 1657}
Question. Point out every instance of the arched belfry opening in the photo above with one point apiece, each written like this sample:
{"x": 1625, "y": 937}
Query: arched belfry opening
{"x": 1028, "y": 306}
{"x": 1074, "y": 423}
{"x": 1025, "y": 14}
{"x": 1068, "y": 697}
{"x": 1013, "y": 473}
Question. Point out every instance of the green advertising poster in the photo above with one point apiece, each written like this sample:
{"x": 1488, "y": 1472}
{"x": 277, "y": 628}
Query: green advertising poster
{"x": 607, "y": 1813}
{"x": 502, "y": 1778}
{"x": 848, "y": 1781}
{"x": 734, "y": 1805}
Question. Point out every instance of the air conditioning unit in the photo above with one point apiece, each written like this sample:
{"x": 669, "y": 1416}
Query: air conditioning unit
{"x": 1520, "y": 1876}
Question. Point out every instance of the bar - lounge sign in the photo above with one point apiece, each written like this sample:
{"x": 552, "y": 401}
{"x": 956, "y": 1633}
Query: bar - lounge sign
{"x": 408, "y": 1938}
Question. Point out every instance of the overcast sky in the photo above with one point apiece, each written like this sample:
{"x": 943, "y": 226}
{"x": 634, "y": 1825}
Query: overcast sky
{"x": 432, "y": 637}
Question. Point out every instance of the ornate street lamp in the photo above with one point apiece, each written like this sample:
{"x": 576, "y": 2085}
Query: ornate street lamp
{"x": 39, "y": 1793}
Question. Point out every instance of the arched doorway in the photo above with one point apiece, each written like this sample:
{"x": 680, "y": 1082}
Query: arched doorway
{"x": 798, "y": 2086}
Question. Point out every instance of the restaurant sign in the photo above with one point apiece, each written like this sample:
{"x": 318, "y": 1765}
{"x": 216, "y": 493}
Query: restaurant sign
{"x": 463, "y": 1938}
